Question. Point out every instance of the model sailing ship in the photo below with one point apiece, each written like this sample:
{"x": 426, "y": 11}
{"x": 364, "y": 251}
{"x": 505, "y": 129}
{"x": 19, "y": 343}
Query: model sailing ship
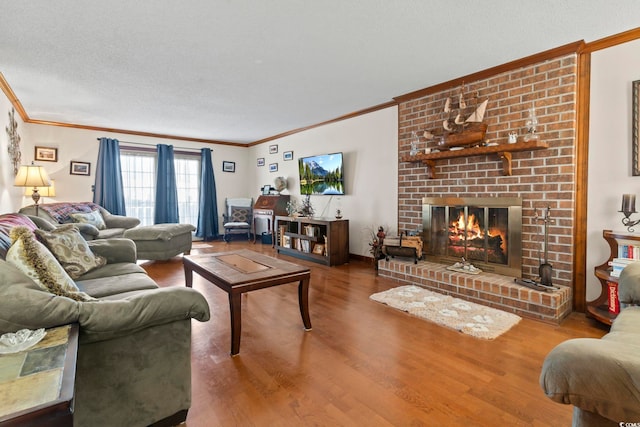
{"x": 462, "y": 125}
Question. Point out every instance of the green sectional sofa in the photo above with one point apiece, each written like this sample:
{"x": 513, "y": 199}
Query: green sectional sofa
{"x": 108, "y": 225}
{"x": 134, "y": 354}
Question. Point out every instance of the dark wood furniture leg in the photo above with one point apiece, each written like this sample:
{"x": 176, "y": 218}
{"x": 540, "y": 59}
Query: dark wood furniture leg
{"x": 303, "y": 299}
{"x": 188, "y": 275}
{"x": 235, "y": 309}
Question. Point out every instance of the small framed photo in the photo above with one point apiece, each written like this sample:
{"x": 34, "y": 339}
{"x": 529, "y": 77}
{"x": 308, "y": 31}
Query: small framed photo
{"x": 318, "y": 249}
{"x": 287, "y": 155}
{"x": 46, "y": 154}
{"x": 273, "y": 167}
{"x": 273, "y": 149}
{"x": 261, "y": 161}
{"x": 79, "y": 168}
{"x": 228, "y": 166}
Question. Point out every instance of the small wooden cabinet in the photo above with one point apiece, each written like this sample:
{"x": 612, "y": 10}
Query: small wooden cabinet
{"x": 599, "y": 309}
{"x": 267, "y": 207}
{"x": 321, "y": 240}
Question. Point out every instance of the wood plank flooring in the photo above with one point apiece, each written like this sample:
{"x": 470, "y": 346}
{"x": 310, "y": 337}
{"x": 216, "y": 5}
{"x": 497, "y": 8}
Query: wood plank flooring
{"x": 363, "y": 364}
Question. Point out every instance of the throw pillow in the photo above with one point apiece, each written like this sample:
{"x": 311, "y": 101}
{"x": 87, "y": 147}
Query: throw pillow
{"x": 94, "y": 218}
{"x": 33, "y": 259}
{"x": 71, "y": 250}
{"x": 239, "y": 214}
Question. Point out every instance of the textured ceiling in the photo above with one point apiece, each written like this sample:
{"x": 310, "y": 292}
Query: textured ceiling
{"x": 241, "y": 70}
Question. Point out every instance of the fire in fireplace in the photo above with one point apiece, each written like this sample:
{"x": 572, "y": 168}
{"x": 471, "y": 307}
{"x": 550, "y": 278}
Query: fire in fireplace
{"x": 486, "y": 231}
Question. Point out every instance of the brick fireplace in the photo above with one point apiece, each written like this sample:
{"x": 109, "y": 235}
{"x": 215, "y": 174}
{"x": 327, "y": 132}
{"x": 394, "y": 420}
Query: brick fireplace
{"x": 540, "y": 178}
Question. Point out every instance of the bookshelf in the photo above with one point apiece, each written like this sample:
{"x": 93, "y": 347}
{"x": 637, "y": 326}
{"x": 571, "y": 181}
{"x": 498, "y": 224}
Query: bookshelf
{"x": 321, "y": 240}
{"x": 599, "y": 308}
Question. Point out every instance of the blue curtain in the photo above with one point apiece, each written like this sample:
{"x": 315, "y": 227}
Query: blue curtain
{"x": 108, "y": 190}
{"x": 166, "y": 191}
{"x": 208, "y": 212}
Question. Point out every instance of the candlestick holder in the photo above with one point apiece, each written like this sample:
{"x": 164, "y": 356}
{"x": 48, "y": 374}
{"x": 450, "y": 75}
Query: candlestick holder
{"x": 627, "y": 222}
{"x": 628, "y": 209}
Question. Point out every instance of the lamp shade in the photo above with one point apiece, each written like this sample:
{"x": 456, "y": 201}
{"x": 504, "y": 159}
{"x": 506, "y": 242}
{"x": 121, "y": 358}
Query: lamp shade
{"x": 49, "y": 191}
{"x": 32, "y": 176}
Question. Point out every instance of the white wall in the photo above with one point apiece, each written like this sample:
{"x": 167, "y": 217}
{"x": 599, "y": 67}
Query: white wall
{"x": 82, "y": 145}
{"x": 369, "y": 144}
{"x": 610, "y": 167}
{"x": 10, "y": 196}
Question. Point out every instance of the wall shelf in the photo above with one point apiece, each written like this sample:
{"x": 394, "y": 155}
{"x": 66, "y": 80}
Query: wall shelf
{"x": 502, "y": 150}
{"x": 599, "y": 308}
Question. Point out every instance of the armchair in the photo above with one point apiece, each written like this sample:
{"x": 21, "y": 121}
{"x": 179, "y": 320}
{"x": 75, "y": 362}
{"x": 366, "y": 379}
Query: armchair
{"x": 237, "y": 218}
{"x": 600, "y": 377}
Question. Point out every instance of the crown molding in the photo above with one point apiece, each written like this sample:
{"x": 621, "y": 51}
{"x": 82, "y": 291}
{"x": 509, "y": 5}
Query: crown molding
{"x": 137, "y": 133}
{"x": 13, "y": 99}
{"x": 611, "y": 41}
{"x": 574, "y": 47}
{"x": 337, "y": 119}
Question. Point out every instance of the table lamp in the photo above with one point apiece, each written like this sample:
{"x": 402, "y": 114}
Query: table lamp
{"x": 49, "y": 191}
{"x": 32, "y": 176}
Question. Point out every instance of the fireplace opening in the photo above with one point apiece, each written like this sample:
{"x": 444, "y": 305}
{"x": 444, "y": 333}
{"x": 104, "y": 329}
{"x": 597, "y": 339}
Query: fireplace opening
{"x": 484, "y": 231}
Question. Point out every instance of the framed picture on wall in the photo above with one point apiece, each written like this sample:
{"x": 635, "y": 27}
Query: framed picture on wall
{"x": 46, "y": 154}
{"x": 273, "y": 149}
{"x": 273, "y": 167}
{"x": 79, "y": 168}
{"x": 228, "y": 166}
{"x": 261, "y": 161}
{"x": 287, "y": 155}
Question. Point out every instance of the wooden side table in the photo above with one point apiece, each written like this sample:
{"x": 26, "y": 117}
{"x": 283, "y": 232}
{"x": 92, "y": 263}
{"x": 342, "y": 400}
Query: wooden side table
{"x": 37, "y": 384}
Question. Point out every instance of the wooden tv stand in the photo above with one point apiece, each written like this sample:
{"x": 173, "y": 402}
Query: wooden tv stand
{"x": 321, "y": 240}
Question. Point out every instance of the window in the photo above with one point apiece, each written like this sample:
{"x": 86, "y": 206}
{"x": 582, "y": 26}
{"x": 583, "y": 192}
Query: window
{"x": 188, "y": 183}
{"x": 139, "y": 182}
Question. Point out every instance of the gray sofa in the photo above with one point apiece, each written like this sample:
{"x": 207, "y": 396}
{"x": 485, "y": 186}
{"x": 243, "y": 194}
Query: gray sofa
{"x": 601, "y": 377}
{"x": 134, "y": 354}
{"x": 59, "y": 213}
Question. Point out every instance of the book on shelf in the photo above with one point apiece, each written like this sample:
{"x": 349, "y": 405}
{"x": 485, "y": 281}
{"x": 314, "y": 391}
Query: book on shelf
{"x": 618, "y": 264}
{"x": 614, "y": 302}
{"x": 629, "y": 250}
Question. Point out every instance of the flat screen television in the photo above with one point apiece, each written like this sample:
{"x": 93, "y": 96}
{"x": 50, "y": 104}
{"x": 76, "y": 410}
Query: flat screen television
{"x": 322, "y": 174}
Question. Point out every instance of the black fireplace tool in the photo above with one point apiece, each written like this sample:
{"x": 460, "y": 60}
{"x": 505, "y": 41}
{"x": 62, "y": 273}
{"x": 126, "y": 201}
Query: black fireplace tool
{"x": 545, "y": 270}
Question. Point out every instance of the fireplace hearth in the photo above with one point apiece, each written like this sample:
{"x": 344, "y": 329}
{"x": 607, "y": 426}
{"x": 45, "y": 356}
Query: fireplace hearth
{"x": 486, "y": 231}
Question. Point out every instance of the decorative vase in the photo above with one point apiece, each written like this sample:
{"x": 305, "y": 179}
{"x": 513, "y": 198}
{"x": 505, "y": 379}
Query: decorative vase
{"x": 531, "y": 125}
{"x": 414, "y": 143}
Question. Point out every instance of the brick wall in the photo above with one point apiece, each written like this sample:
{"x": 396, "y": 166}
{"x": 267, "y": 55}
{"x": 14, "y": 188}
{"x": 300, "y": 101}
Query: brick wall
{"x": 542, "y": 178}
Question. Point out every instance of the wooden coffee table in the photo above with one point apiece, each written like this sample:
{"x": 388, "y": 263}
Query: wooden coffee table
{"x": 241, "y": 271}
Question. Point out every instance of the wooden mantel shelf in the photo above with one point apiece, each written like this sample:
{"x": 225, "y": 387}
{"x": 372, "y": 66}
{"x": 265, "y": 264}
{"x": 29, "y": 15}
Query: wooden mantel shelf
{"x": 503, "y": 150}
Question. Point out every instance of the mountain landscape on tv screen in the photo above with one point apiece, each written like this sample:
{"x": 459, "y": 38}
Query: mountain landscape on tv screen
{"x": 321, "y": 175}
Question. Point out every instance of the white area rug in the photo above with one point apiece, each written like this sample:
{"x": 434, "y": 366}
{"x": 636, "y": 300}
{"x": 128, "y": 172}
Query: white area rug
{"x": 467, "y": 317}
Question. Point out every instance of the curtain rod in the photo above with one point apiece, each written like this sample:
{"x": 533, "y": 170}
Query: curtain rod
{"x": 153, "y": 145}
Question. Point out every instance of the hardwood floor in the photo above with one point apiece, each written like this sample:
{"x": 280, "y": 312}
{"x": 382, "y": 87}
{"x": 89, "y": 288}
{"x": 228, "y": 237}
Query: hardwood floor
{"x": 363, "y": 364}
